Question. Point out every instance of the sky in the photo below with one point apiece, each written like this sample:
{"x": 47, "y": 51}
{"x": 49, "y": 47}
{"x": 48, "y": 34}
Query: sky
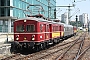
{"x": 81, "y": 6}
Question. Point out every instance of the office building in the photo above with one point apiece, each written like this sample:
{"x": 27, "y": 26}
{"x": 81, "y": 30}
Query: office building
{"x": 84, "y": 19}
{"x": 64, "y": 18}
{"x": 10, "y": 10}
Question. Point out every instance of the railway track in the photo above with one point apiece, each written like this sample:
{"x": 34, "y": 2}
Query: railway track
{"x": 85, "y": 48}
{"x": 13, "y": 57}
{"x": 78, "y": 50}
{"x": 61, "y": 56}
{"x": 81, "y": 54}
{"x": 44, "y": 53}
{"x": 31, "y": 56}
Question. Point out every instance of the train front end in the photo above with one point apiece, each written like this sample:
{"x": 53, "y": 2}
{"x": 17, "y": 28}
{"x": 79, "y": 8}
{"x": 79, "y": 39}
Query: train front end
{"x": 25, "y": 35}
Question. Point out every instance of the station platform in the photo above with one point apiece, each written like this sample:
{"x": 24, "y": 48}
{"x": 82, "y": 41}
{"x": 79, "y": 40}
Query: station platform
{"x": 4, "y": 44}
{"x": 6, "y": 37}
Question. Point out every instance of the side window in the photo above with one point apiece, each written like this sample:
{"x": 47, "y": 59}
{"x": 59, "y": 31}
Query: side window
{"x": 41, "y": 27}
{"x": 20, "y": 28}
{"x": 30, "y": 28}
{"x": 47, "y": 28}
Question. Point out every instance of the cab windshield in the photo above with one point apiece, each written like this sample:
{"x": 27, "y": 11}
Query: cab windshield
{"x": 20, "y": 28}
{"x": 30, "y": 28}
{"x": 27, "y": 28}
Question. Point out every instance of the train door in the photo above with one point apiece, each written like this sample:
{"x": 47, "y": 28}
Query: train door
{"x": 49, "y": 31}
{"x": 60, "y": 30}
{"x": 44, "y": 30}
{"x": 47, "y": 27}
{"x": 47, "y": 34}
{"x": 50, "y": 26}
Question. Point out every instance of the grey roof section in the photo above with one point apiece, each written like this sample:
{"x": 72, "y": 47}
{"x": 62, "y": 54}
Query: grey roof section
{"x": 66, "y": 25}
{"x": 43, "y": 20}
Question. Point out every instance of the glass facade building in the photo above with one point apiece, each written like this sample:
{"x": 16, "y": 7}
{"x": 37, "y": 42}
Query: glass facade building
{"x": 14, "y": 9}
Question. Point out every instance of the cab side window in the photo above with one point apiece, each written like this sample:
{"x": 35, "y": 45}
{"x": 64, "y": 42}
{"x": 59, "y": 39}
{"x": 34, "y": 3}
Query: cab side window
{"x": 20, "y": 28}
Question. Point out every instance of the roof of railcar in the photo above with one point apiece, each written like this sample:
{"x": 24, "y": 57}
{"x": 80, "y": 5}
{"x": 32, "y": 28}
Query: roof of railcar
{"x": 34, "y": 19}
{"x": 66, "y": 25}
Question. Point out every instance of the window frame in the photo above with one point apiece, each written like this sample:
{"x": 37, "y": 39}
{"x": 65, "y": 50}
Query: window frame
{"x": 19, "y": 27}
{"x": 30, "y": 27}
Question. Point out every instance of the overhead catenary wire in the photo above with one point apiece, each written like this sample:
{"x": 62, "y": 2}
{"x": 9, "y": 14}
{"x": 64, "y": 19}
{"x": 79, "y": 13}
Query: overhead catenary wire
{"x": 75, "y": 13}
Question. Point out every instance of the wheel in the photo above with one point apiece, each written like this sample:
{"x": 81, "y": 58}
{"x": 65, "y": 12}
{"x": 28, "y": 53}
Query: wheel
{"x": 36, "y": 48}
{"x": 12, "y": 49}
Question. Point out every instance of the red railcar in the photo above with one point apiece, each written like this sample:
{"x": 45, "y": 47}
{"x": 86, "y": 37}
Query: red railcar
{"x": 56, "y": 32}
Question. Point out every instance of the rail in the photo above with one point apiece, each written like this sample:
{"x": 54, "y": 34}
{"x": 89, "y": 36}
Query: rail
{"x": 78, "y": 57}
{"x": 62, "y": 56}
{"x": 80, "y": 48}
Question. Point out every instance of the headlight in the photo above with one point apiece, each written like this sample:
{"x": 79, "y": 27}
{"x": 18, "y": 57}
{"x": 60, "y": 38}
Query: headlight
{"x": 33, "y": 37}
{"x": 17, "y": 38}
